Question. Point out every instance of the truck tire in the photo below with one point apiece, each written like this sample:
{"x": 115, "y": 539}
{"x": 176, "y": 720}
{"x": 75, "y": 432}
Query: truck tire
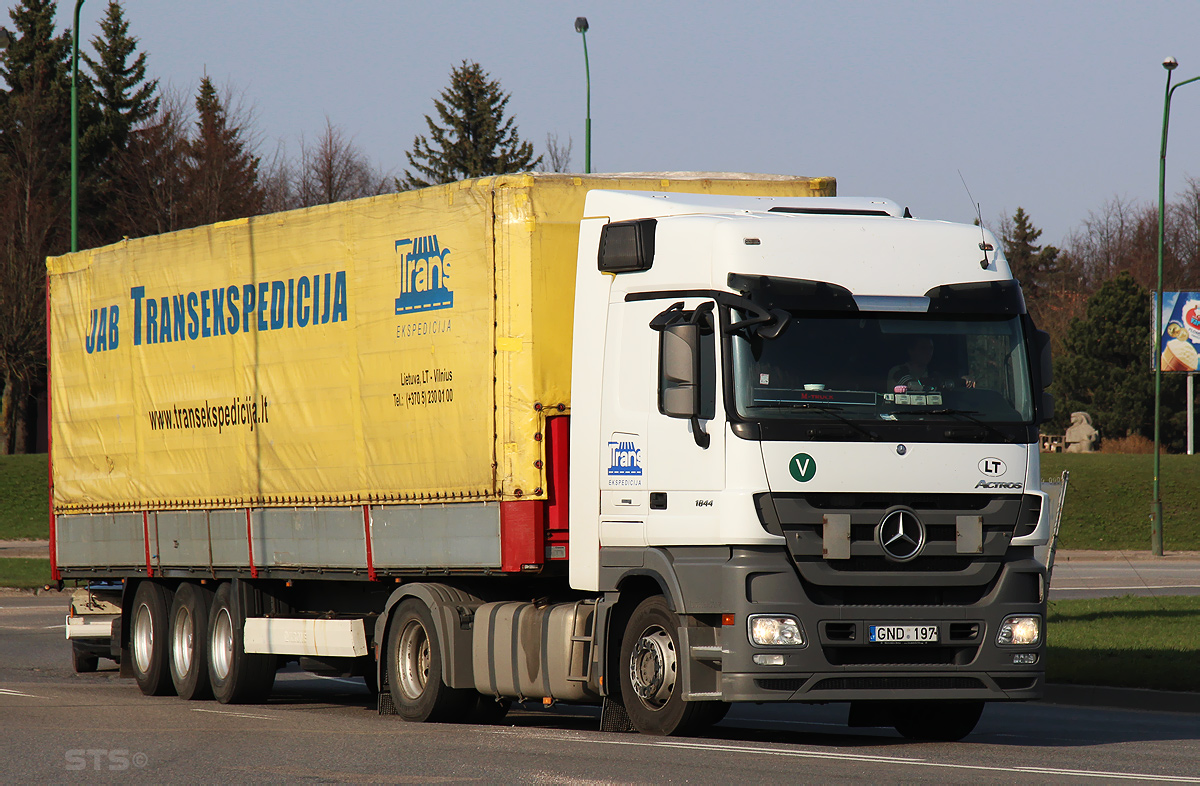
{"x": 415, "y": 670}
{"x": 236, "y": 677}
{"x": 188, "y": 626}
{"x": 943, "y": 721}
{"x": 84, "y": 662}
{"x": 148, "y": 639}
{"x": 650, "y": 661}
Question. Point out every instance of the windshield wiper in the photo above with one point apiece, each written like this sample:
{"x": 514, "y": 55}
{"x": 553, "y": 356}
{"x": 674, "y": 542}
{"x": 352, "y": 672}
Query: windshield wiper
{"x": 839, "y": 416}
{"x": 966, "y": 414}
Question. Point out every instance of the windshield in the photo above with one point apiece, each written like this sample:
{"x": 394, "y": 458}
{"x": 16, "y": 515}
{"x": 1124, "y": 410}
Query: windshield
{"x": 884, "y": 367}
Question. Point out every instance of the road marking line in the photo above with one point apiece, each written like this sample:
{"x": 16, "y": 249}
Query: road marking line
{"x": 1135, "y": 587}
{"x": 235, "y": 714}
{"x": 10, "y": 692}
{"x": 806, "y": 754}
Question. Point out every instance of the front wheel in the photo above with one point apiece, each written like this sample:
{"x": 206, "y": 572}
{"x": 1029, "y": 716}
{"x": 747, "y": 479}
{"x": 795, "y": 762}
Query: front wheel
{"x": 415, "y": 669}
{"x": 943, "y": 721}
{"x": 651, "y": 685}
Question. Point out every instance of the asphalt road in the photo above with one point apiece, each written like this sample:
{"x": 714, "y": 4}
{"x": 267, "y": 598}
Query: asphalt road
{"x": 62, "y": 727}
{"x": 1097, "y": 574}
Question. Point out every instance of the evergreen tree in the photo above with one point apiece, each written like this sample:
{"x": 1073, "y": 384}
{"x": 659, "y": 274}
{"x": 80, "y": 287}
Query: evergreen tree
{"x": 34, "y": 202}
{"x": 222, "y": 172}
{"x": 474, "y": 138}
{"x": 150, "y": 176}
{"x": 126, "y": 100}
{"x": 1106, "y": 366}
{"x": 1035, "y": 267}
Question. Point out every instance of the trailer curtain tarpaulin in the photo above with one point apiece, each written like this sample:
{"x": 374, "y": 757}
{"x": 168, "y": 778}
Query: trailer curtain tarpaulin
{"x": 330, "y": 354}
{"x": 407, "y": 348}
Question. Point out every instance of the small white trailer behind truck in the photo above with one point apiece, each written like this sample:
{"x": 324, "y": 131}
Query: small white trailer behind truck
{"x": 659, "y": 443}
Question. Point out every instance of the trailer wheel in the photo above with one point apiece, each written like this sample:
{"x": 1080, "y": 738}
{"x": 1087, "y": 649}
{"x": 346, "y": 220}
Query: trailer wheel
{"x": 189, "y": 638}
{"x": 944, "y": 721}
{"x": 148, "y": 639}
{"x": 650, "y": 682}
{"x": 236, "y": 676}
{"x": 84, "y": 662}
{"x": 415, "y": 669}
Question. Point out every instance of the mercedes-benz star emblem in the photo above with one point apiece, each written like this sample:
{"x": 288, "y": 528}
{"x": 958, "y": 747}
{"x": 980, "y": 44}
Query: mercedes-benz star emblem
{"x": 901, "y": 535}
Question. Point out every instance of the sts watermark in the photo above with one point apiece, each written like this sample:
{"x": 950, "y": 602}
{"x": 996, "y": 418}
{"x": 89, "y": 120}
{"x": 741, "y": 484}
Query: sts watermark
{"x": 99, "y": 759}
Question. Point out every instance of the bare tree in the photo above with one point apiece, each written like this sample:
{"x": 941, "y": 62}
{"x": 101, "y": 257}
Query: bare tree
{"x": 277, "y": 177}
{"x": 1121, "y": 235}
{"x": 333, "y": 169}
{"x": 148, "y": 184}
{"x": 558, "y": 156}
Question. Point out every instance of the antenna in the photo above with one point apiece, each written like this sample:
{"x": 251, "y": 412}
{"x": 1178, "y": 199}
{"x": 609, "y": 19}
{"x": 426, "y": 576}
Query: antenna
{"x": 984, "y": 246}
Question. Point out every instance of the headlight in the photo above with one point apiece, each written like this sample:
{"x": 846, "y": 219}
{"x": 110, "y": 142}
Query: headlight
{"x": 772, "y": 631}
{"x": 1021, "y": 631}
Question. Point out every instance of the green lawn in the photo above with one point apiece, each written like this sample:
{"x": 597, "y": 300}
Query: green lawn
{"x": 24, "y": 497}
{"x": 1128, "y": 642}
{"x": 1108, "y": 500}
{"x": 24, "y": 573}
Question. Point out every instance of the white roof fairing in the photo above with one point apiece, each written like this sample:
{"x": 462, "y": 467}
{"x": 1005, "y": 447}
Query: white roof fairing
{"x": 701, "y": 239}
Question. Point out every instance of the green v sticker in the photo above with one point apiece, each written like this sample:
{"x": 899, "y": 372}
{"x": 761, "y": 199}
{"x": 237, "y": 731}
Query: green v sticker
{"x": 803, "y": 467}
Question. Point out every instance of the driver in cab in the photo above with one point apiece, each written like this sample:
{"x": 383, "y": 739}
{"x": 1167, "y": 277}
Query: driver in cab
{"x": 915, "y": 375}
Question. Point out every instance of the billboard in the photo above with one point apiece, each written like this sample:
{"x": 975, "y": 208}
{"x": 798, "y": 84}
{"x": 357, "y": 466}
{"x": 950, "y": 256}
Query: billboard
{"x": 1179, "y": 341}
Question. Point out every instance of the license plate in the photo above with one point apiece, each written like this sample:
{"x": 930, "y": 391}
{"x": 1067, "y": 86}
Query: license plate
{"x": 903, "y": 634}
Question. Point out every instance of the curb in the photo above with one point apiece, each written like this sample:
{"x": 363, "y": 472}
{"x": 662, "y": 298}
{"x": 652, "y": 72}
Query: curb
{"x": 1122, "y": 698}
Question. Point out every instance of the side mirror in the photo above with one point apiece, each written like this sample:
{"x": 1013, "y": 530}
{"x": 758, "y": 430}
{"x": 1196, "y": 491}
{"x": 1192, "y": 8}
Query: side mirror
{"x": 679, "y": 376}
{"x": 1047, "y": 407}
{"x": 687, "y": 365}
{"x": 1047, "y": 366}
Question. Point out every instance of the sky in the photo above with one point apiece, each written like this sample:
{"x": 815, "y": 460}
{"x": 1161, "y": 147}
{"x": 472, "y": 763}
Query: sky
{"x": 1052, "y": 106}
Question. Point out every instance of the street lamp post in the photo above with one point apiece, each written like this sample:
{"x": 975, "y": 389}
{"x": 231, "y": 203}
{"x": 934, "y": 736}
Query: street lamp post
{"x": 75, "y": 129}
{"x": 1156, "y": 527}
{"x": 581, "y": 27}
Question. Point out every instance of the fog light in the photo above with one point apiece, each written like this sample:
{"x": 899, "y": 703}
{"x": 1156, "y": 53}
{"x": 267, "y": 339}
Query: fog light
{"x": 762, "y": 659}
{"x": 1021, "y": 631}
{"x": 770, "y": 631}
{"x": 1025, "y": 657}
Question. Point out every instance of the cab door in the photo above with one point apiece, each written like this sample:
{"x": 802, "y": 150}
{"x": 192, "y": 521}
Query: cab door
{"x": 684, "y": 457}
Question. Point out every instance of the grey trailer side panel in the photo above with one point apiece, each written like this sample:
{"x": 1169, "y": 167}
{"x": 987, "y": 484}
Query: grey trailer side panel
{"x": 107, "y": 539}
{"x": 464, "y": 534}
{"x": 317, "y": 537}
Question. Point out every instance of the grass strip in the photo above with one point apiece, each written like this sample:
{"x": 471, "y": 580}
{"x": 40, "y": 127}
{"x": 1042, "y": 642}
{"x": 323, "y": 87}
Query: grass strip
{"x": 1108, "y": 502}
{"x": 24, "y": 572}
{"x": 1126, "y": 642}
{"x": 24, "y": 490}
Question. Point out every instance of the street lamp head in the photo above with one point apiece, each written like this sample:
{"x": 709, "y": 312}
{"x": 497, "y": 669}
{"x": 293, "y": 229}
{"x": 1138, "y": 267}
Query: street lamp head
{"x": 1170, "y": 63}
{"x": 581, "y": 25}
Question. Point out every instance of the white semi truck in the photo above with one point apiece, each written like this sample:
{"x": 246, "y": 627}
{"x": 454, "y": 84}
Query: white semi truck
{"x": 659, "y": 443}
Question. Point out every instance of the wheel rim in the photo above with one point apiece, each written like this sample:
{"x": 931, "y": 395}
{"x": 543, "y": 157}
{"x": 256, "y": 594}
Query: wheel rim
{"x": 183, "y": 643}
{"x": 412, "y": 660}
{"x": 652, "y": 667}
{"x": 143, "y": 637}
{"x": 221, "y": 648}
